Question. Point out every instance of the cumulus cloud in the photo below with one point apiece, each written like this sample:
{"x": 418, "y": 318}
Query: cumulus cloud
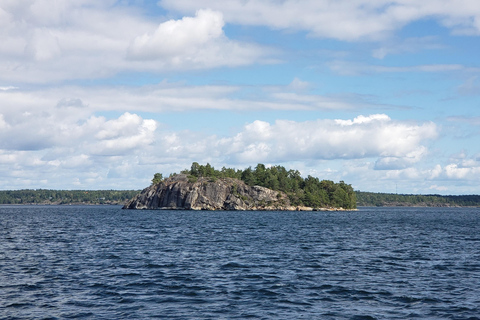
{"x": 375, "y": 136}
{"x": 94, "y": 152}
{"x": 51, "y": 151}
{"x": 44, "y": 41}
{"x": 127, "y": 133}
{"x": 456, "y": 172}
{"x": 193, "y": 42}
{"x": 342, "y": 19}
{"x": 175, "y": 37}
{"x": 462, "y": 169}
{"x": 127, "y": 143}
{"x": 363, "y": 137}
{"x": 405, "y": 161}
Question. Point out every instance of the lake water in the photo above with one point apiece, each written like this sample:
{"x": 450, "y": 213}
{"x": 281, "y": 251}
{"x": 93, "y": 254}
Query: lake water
{"x": 101, "y": 262}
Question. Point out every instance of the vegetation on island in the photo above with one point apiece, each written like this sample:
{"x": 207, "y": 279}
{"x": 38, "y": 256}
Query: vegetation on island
{"x": 44, "y": 196}
{"x": 309, "y": 191}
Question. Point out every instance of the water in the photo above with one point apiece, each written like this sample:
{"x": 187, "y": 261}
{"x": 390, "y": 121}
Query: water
{"x": 101, "y": 262}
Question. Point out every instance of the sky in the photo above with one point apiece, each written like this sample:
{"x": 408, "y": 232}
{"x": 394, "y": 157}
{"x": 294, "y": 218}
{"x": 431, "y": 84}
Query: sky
{"x": 384, "y": 95}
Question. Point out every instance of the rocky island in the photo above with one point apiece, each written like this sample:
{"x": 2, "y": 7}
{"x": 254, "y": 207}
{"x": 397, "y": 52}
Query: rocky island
{"x": 274, "y": 188}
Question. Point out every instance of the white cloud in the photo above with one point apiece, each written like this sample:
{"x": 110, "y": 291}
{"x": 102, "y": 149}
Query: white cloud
{"x": 126, "y": 134}
{"x": 43, "y": 45}
{"x": 52, "y": 146}
{"x": 329, "y": 139}
{"x": 40, "y": 122}
{"x": 48, "y": 151}
{"x": 175, "y": 37}
{"x": 193, "y": 42}
{"x": 342, "y": 19}
{"x": 406, "y": 161}
{"x": 465, "y": 169}
{"x": 454, "y": 171}
{"x": 363, "y": 119}
{"x": 123, "y": 152}
{"x": 44, "y": 42}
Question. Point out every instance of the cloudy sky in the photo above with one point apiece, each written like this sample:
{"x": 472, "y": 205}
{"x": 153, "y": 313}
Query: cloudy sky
{"x": 384, "y": 95}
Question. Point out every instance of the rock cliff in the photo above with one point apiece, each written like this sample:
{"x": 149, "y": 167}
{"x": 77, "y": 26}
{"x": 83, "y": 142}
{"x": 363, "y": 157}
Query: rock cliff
{"x": 178, "y": 192}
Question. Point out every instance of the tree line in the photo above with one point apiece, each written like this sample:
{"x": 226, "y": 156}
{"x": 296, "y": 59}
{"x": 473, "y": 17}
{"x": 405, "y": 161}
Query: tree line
{"x": 45, "y": 196}
{"x": 433, "y": 200}
{"x": 309, "y": 191}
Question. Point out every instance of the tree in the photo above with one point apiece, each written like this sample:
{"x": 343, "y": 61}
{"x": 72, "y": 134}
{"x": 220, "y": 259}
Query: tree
{"x": 209, "y": 170}
{"x": 229, "y": 173}
{"x": 260, "y": 174}
{"x": 248, "y": 177}
{"x": 157, "y": 178}
{"x": 195, "y": 169}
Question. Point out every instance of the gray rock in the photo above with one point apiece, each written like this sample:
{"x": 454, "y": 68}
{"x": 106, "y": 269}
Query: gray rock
{"x": 178, "y": 192}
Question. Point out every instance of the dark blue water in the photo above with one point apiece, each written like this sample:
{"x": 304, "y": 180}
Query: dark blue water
{"x": 102, "y": 262}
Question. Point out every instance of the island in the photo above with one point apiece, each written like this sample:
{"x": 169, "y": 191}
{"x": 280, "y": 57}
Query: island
{"x": 202, "y": 187}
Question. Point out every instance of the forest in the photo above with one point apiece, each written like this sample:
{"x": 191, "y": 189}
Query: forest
{"x": 434, "y": 200}
{"x": 309, "y": 191}
{"x": 45, "y": 196}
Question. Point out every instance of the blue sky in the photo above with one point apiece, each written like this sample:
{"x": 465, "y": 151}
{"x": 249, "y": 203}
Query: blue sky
{"x": 384, "y": 95}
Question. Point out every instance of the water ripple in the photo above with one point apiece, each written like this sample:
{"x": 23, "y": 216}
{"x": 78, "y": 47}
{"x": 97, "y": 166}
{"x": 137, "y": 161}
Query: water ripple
{"x": 105, "y": 263}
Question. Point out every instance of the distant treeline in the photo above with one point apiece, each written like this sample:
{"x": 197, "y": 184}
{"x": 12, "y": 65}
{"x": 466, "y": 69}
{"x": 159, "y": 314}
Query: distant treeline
{"x": 309, "y": 191}
{"x": 44, "y": 196}
{"x": 391, "y": 199}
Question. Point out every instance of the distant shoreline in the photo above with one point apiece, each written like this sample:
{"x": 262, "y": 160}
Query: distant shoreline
{"x": 65, "y": 197}
{"x": 60, "y": 204}
{"x": 120, "y": 197}
{"x": 293, "y": 210}
{"x": 372, "y": 199}
{"x": 417, "y": 206}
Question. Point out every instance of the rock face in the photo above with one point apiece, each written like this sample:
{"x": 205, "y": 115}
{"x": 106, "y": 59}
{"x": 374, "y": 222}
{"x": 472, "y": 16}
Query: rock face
{"x": 178, "y": 192}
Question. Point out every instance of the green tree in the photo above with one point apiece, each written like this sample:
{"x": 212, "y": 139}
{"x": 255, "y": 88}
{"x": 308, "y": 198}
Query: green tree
{"x": 157, "y": 178}
{"x": 248, "y": 177}
{"x": 209, "y": 170}
{"x": 260, "y": 174}
{"x": 195, "y": 169}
